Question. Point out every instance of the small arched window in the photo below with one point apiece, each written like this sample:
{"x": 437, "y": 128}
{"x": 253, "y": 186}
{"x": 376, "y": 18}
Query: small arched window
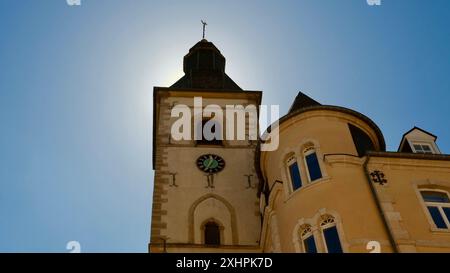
{"x": 308, "y": 241}
{"x": 438, "y": 205}
{"x": 312, "y": 164}
{"x": 212, "y": 233}
{"x": 330, "y": 234}
{"x": 294, "y": 173}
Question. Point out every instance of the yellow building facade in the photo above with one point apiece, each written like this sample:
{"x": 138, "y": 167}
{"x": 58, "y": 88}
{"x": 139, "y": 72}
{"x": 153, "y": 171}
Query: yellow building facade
{"x": 330, "y": 186}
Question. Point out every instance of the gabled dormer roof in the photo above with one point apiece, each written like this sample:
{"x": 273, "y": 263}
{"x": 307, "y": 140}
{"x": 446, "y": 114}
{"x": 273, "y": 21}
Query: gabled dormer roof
{"x": 416, "y": 134}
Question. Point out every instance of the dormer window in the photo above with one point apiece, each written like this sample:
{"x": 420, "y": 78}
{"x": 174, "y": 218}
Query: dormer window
{"x": 418, "y": 141}
{"x": 423, "y": 148}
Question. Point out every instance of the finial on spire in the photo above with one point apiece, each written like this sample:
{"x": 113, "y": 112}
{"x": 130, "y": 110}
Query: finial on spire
{"x": 204, "y": 26}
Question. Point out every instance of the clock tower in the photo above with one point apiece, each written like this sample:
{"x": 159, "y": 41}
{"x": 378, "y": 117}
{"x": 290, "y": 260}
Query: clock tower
{"x": 205, "y": 190}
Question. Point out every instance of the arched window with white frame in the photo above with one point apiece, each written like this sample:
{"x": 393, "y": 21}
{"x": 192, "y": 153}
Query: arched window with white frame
{"x": 330, "y": 234}
{"x": 312, "y": 164}
{"x": 438, "y": 206}
{"x": 308, "y": 240}
{"x": 294, "y": 173}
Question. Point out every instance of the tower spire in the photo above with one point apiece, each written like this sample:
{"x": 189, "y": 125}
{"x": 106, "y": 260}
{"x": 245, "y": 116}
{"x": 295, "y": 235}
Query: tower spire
{"x": 204, "y": 26}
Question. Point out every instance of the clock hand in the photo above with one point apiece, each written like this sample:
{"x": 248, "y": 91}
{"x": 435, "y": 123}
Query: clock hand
{"x": 209, "y": 163}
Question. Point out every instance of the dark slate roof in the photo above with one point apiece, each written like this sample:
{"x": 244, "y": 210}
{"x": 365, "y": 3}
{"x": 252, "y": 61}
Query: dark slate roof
{"x": 204, "y": 68}
{"x": 302, "y": 101}
{"x": 420, "y": 129}
{"x": 208, "y": 82}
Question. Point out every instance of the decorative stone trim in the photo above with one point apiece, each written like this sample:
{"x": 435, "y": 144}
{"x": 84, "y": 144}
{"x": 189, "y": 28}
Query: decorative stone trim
{"x": 191, "y": 230}
{"x": 393, "y": 217}
{"x": 314, "y": 222}
{"x": 159, "y": 196}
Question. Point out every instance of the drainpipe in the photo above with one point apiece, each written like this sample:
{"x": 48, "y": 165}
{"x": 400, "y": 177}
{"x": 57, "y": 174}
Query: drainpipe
{"x": 378, "y": 203}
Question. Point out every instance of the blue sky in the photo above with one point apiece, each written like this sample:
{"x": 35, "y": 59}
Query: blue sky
{"x": 76, "y": 94}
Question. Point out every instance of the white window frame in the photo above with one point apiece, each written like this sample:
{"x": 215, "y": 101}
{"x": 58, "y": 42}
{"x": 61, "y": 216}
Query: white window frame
{"x": 292, "y": 160}
{"x": 326, "y": 226}
{"x": 306, "y": 233}
{"x": 421, "y": 144}
{"x": 439, "y": 206}
{"x": 307, "y": 151}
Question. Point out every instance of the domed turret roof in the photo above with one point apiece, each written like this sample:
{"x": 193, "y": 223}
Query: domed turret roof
{"x": 204, "y": 68}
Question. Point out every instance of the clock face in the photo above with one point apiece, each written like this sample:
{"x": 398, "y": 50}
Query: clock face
{"x": 210, "y": 163}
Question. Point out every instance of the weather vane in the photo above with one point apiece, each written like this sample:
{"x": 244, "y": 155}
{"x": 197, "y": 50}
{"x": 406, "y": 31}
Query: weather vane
{"x": 204, "y": 26}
